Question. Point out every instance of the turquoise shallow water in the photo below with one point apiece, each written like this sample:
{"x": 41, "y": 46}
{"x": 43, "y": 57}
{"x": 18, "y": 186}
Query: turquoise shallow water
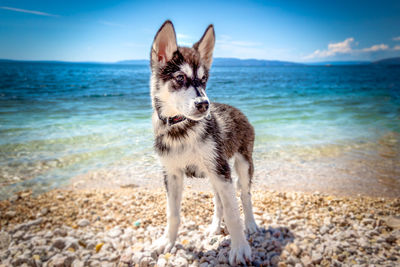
{"x": 59, "y": 121}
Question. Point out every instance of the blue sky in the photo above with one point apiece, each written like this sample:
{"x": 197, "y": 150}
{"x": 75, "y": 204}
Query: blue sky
{"x": 301, "y": 31}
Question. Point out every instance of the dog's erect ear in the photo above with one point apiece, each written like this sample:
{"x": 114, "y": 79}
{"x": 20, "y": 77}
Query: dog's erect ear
{"x": 206, "y": 45}
{"x": 164, "y": 44}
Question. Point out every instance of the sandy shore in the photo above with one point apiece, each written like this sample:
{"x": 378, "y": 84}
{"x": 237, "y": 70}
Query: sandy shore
{"x": 101, "y": 227}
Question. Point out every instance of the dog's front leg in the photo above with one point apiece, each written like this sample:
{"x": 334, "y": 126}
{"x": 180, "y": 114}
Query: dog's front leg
{"x": 240, "y": 249}
{"x": 215, "y": 227}
{"x": 174, "y": 187}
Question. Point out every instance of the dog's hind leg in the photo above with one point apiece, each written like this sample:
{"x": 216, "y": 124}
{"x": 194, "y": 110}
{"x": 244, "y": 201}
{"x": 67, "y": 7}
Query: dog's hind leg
{"x": 174, "y": 188}
{"x": 244, "y": 169}
{"x": 215, "y": 227}
{"x": 240, "y": 249}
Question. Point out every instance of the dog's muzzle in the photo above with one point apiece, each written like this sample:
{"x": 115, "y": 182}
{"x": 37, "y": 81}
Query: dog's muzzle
{"x": 202, "y": 106}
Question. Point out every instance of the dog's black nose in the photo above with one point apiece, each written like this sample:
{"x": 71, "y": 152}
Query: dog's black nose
{"x": 202, "y": 106}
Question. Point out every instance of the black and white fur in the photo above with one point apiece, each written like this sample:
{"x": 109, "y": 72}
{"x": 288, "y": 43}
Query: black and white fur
{"x": 194, "y": 138}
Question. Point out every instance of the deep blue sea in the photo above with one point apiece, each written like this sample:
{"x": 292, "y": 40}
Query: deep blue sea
{"x": 317, "y": 127}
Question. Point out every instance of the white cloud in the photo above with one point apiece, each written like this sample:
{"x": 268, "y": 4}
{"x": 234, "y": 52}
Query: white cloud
{"x": 28, "y": 11}
{"x": 341, "y": 47}
{"x": 396, "y": 38}
{"x": 375, "y": 48}
{"x": 397, "y": 47}
{"x": 183, "y": 39}
{"x": 333, "y": 49}
{"x": 185, "y": 44}
{"x": 345, "y": 47}
{"x": 182, "y": 36}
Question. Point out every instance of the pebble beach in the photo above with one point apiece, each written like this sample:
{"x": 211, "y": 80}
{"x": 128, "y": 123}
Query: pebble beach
{"x": 116, "y": 227}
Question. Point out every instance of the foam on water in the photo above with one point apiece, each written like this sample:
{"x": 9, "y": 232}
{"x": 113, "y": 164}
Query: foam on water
{"x": 59, "y": 121}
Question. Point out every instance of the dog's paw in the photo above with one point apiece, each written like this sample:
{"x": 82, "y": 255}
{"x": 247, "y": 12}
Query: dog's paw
{"x": 240, "y": 254}
{"x": 214, "y": 229}
{"x": 162, "y": 245}
{"x": 251, "y": 227}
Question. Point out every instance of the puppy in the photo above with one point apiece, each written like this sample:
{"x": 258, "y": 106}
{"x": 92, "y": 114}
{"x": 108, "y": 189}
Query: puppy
{"x": 196, "y": 138}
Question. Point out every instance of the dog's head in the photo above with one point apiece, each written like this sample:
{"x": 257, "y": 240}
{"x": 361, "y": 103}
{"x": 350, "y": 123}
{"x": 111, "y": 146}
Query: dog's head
{"x": 179, "y": 74}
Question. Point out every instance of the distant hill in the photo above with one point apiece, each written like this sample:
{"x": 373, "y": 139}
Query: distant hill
{"x": 232, "y": 62}
{"x": 338, "y": 63}
{"x": 219, "y": 61}
{"x": 388, "y": 61}
{"x": 52, "y": 61}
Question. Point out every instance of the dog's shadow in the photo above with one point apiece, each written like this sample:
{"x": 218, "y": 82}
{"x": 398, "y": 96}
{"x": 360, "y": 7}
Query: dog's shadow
{"x": 266, "y": 245}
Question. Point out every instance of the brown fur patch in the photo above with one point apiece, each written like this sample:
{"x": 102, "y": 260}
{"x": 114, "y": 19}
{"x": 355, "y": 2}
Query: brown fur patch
{"x": 238, "y": 136}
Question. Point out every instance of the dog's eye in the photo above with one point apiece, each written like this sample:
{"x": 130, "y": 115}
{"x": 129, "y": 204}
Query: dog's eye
{"x": 180, "y": 78}
{"x": 204, "y": 79}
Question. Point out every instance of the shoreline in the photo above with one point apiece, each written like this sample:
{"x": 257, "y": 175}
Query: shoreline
{"x": 365, "y": 169}
{"x": 287, "y": 177}
{"x": 343, "y": 169}
{"x": 115, "y": 227}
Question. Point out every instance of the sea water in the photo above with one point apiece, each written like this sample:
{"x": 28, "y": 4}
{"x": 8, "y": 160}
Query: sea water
{"x": 317, "y": 127}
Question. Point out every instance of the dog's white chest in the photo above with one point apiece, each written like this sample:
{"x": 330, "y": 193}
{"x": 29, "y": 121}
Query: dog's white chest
{"x": 191, "y": 158}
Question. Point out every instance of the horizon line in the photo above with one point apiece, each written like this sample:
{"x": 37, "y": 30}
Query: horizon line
{"x": 242, "y": 59}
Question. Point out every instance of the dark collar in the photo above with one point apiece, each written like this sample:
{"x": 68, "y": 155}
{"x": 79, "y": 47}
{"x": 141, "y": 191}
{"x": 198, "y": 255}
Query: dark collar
{"x": 172, "y": 120}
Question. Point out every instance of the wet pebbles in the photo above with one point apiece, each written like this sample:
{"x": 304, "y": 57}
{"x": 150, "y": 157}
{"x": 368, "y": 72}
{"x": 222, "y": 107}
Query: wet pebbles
{"x": 117, "y": 228}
